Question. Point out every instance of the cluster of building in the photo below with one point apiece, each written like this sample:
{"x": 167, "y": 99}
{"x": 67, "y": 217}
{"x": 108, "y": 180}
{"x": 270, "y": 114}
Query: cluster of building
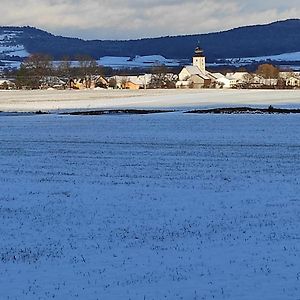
{"x": 114, "y": 82}
{"x": 192, "y": 76}
{"x": 196, "y": 76}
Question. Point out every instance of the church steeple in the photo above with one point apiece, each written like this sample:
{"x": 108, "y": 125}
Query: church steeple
{"x": 199, "y": 59}
{"x": 199, "y": 52}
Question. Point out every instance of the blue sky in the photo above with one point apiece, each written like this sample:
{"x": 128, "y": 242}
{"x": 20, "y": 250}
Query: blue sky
{"x": 112, "y": 19}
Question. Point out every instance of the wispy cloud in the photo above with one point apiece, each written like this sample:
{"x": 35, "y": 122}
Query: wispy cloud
{"x": 141, "y": 18}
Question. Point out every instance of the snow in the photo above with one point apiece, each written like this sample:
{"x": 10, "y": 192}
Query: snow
{"x": 169, "y": 99}
{"x": 8, "y": 46}
{"x": 288, "y": 57}
{"x": 137, "y": 62}
{"x": 117, "y": 62}
{"x": 294, "y": 56}
{"x": 168, "y": 206}
{"x": 16, "y": 50}
{"x": 10, "y": 64}
{"x": 20, "y": 51}
{"x": 8, "y": 35}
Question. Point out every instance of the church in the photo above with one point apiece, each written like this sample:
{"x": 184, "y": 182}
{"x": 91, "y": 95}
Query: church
{"x": 196, "y": 76}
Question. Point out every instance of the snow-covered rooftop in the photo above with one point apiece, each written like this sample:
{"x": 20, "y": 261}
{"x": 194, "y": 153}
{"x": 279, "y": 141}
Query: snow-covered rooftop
{"x": 194, "y": 70}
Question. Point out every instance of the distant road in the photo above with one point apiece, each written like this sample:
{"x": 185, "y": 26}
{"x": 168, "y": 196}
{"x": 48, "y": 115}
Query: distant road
{"x": 53, "y": 100}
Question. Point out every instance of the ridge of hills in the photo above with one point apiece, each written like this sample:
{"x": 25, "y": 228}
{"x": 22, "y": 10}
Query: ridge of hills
{"x": 248, "y": 41}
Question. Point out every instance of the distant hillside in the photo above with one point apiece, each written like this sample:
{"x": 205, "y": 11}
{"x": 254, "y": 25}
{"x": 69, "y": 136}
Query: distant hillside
{"x": 260, "y": 40}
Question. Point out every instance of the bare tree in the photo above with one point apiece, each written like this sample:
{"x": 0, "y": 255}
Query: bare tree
{"x": 248, "y": 79}
{"x": 33, "y": 70}
{"x": 112, "y": 83}
{"x": 87, "y": 68}
{"x": 268, "y": 71}
{"x": 124, "y": 81}
{"x": 65, "y": 67}
{"x": 160, "y": 78}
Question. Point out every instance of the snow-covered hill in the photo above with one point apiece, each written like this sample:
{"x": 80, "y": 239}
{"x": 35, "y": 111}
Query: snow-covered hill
{"x": 10, "y": 46}
{"x": 12, "y": 50}
{"x": 239, "y": 46}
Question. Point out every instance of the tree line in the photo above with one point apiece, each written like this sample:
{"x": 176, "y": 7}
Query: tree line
{"x": 38, "y": 66}
{"x": 35, "y": 68}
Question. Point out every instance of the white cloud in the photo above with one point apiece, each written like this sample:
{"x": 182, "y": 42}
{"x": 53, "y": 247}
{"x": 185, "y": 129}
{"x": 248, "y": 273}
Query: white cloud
{"x": 141, "y": 18}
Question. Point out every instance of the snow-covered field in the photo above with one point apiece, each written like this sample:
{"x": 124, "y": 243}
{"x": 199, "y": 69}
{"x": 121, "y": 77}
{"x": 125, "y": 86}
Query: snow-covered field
{"x": 293, "y": 56}
{"x": 138, "y": 61}
{"x": 114, "y": 62}
{"x": 167, "y": 206}
{"x": 169, "y": 99}
{"x": 292, "y": 61}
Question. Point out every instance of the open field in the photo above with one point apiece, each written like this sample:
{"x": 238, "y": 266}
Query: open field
{"x": 168, "y": 206}
{"x": 110, "y": 99}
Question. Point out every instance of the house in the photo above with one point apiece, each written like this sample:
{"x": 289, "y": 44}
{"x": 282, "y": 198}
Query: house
{"x": 240, "y": 77}
{"x": 52, "y": 82}
{"x": 291, "y": 79}
{"x": 98, "y": 81}
{"x": 138, "y": 82}
{"x": 131, "y": 82}
{"x": 6, "y": 84}
{"x": 225, "y": 82}
{"x": 79, "y": 84}
{"x": 221, "y": 81}
{"x": 269, "y": 81}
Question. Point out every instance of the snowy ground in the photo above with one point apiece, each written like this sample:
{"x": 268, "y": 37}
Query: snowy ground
{"x": 138, "y": 61}
{"x": 174, "y": 99}
{"x": 168, "y": 206}
{"x": 289, "y": 58}
{"x": 293, "y": 56}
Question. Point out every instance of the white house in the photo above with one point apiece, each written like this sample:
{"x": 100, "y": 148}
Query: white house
{"x": 291, "y": 78}
{"x": 226, "y": 82}
{"x": 293, "y": 81}
{"x": 240, "y": 77}
{"x": 221, "y": 80}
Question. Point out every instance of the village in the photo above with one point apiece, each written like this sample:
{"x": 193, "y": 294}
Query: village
{"x": 37, "y": 73}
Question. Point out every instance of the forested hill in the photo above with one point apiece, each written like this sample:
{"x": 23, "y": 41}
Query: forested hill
{"x": 260, "y": 40}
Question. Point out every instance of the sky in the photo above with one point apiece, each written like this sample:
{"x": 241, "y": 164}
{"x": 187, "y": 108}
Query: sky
{"x": 131, "y": 19}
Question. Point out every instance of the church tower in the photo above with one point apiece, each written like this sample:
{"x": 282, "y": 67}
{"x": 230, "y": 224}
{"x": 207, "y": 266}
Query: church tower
{"x": 199, "y": 59}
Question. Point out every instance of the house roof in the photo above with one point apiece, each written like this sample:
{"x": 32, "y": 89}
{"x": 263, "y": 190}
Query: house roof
{"x": 237, "y": 75}
{"x": 3, "y": 81}
{"x": 194, "y": 70}
{"x": 99, "y": 78}
{"x": 291, "y": 74}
